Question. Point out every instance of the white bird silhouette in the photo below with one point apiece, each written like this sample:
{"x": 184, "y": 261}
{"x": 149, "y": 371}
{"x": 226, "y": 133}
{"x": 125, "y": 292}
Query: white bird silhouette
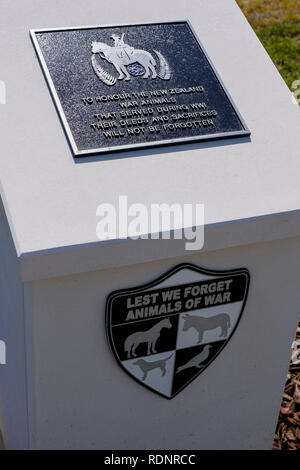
{"x": 197, "y": 360}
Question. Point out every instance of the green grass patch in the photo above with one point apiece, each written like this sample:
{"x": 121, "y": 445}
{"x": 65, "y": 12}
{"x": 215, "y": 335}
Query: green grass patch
{"x": 279, "y": 31}
{"x": 282, "y": 42}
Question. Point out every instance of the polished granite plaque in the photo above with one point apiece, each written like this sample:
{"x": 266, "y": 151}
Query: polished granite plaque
{"x": 132, "y": 86}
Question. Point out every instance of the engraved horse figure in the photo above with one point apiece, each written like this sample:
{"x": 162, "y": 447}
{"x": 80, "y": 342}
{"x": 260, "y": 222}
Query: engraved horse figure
{"x": 149, "y": 336}
{"x": 202, "y": 324}
{"x": 121, "y": 55}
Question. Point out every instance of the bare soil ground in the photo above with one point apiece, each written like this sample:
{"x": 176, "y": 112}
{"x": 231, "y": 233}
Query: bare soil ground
{"x": 287, "y": 436}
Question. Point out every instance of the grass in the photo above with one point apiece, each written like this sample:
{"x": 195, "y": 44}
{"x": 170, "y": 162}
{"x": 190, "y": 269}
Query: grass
{"x": 277, "y": 24}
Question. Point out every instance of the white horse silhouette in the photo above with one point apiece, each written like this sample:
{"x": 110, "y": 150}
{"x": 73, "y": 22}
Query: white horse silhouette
{"x": 120, "y": 60}
{"x": 149, "y": 336}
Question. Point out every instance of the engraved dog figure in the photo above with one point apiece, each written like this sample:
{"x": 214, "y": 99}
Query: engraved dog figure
{"x": 149, "y": 336}
{"x": 202, "y": 324}
{"x": 146, "y": 366}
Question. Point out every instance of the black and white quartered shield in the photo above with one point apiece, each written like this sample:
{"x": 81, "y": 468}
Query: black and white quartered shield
{"x": 166, "y": 332}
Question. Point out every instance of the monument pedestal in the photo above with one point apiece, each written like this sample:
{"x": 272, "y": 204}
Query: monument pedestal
{"x": 61, "y": 387}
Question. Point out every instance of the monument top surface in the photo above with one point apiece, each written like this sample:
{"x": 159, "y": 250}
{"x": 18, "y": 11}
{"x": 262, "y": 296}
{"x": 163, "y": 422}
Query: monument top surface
{"x": 51, "y": 198}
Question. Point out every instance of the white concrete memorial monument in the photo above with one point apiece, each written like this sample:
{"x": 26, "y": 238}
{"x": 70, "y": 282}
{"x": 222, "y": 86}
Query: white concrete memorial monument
{"x": 144, "y": 343}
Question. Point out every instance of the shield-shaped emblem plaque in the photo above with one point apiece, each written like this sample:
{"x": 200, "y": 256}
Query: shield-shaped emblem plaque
{"x": 166, "y": 332}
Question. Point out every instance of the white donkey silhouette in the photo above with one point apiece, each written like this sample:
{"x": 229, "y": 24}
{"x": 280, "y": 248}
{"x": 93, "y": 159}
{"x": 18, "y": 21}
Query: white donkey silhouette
{"x": 202, "y": 324}
{"x": 149, "y": 336}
